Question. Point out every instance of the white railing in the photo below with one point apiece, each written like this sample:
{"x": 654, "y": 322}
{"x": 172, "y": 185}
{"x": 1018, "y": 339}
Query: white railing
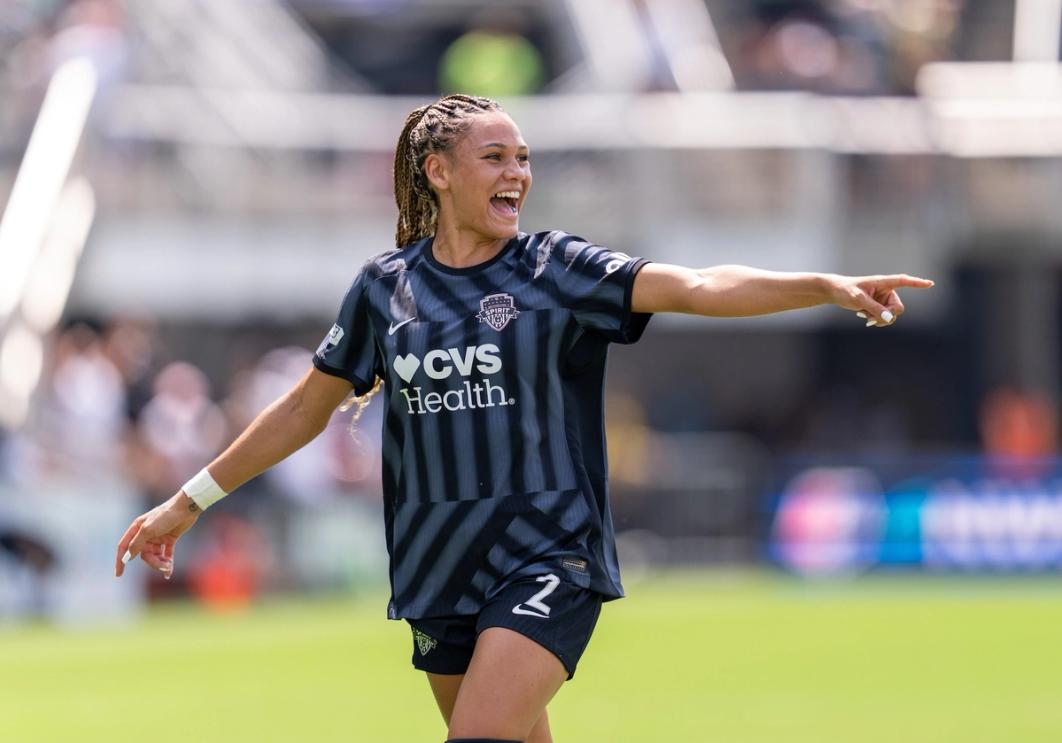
{"x": 963, "y": 110}
{"x": 42, "y": 232}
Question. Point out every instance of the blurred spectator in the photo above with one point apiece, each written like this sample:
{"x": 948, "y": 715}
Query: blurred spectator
{"x": 130, "y": 344}
{"x": 355, "y": 450}
{"x": 82, "y": 414}
{"x": 860, "y": 47}
{"x": 34, "y": 560}
{"x": 919, "y": 32}
{"x": 493, "y": 59}
{"x": 629, "y": 439}
{"x": 181, "y": 426}
{"x": 315, "y": 472}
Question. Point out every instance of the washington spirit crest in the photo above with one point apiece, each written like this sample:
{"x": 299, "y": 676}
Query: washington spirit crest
{"x": 424, "y": 642}
{"x": 497, "y": 310}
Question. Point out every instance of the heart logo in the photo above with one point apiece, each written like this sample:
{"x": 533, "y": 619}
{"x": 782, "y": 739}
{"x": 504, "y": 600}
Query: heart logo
{"x": 406, "y": 366}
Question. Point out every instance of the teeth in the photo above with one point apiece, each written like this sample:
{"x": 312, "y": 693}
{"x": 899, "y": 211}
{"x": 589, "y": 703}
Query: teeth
{"x": 507, "y": 195}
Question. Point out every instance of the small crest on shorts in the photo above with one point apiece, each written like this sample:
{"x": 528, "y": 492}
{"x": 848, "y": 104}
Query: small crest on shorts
{"x": 497, "y": 310}
{"x": 424, "y": 642}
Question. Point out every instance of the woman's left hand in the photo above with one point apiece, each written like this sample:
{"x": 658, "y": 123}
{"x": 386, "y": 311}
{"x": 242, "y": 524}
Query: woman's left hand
{"x": 874, "y": 298}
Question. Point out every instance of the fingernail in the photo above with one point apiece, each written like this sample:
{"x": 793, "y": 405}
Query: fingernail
{"x": 127, "y": 557}
{"x": 871, "y": 322}
{"x": 886, "y": 316}
{"x": 862, "y": 315}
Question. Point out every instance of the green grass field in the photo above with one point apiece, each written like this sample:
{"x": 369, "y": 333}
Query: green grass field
{"x": 690, "y": 657}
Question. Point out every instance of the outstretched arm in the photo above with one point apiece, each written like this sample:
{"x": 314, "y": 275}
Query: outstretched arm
{"x": 740, "y": 291}
{"x": 287, "y": 425}
{"x": 282, "y": 428}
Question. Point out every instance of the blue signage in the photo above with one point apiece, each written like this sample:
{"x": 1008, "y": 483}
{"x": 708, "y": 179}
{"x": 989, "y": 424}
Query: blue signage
{"x": 946, "y": 514}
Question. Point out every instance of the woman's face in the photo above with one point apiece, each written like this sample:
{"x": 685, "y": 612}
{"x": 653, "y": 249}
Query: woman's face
{"x": 483, "y": 181}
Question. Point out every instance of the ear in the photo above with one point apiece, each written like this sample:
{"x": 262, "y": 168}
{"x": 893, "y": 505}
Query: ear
{"x": 437, "y": 171}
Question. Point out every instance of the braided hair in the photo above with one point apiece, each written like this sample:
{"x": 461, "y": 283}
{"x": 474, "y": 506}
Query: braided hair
{"x": 433, "y": 128}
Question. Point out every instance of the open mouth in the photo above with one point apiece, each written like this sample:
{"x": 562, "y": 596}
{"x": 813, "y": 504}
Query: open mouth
{"x": 506, "y": 202}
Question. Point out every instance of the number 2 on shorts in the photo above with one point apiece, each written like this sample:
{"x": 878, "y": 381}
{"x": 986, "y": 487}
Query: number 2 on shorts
{"x": 534, "y": 606}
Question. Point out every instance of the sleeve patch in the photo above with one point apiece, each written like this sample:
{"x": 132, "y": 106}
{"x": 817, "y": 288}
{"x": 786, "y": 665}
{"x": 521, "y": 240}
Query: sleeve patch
{"x": 335, "y": 335}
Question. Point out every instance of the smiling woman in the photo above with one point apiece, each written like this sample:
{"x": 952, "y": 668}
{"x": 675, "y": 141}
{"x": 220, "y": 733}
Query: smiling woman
{"x": 462, "y": 157}
{"x": 490, "y": 345}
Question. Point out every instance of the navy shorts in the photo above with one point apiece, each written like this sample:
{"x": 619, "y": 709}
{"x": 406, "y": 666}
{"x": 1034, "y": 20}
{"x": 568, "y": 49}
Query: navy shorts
{"x": 555, "y": 613}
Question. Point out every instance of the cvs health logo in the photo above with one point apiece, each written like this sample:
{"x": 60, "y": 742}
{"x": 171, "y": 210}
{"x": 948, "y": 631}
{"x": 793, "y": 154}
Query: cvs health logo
{"x": 440, "y": 364}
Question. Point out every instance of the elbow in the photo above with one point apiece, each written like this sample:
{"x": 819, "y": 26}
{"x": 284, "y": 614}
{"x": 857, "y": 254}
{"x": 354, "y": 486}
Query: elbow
{"x": 698, "y": 298}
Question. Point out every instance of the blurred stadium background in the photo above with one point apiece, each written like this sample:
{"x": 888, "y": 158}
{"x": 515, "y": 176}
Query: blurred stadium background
{"x": 840, "y": 533}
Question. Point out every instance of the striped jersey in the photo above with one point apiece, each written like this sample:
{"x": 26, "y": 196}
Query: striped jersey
{"x": 494, "y": 462}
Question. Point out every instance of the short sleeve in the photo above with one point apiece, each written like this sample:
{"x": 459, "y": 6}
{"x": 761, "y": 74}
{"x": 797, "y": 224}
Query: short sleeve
{"x": 597, "y": 284}
{"x": 349, "y": 350}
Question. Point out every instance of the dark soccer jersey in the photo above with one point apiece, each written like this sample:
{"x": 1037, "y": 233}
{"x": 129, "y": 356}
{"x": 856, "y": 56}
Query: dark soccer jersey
{"x": 493, "y": 437}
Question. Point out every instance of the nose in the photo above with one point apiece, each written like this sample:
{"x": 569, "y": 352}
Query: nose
{"x": 514, "y": 170}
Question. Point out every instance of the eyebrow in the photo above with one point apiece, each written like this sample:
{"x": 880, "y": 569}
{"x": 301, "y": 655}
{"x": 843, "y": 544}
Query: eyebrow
{"x": 501, "y": 145}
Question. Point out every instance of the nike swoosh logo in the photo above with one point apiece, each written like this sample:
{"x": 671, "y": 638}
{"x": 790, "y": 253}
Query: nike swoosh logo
{"x": 518, "y": 609}
{"x": 395, "y": 326}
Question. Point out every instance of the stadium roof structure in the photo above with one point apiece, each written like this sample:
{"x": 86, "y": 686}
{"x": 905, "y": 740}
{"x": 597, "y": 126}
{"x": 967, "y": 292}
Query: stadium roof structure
{"x": 964, "y": 110}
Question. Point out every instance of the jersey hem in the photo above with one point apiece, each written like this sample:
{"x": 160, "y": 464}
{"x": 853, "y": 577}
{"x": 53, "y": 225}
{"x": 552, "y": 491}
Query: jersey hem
{"x": 439, "y": 611}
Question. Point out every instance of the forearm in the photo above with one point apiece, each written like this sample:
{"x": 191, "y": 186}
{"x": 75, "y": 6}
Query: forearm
{"x": 281, "y": 429}
{"x": 740, "y": 291}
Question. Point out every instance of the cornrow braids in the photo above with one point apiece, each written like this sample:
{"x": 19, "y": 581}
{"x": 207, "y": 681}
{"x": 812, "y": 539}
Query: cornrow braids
{"x": 432, "y": 128}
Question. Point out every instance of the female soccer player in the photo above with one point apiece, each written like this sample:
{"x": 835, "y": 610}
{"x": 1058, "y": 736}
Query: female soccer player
{"x": 490, "y": 345}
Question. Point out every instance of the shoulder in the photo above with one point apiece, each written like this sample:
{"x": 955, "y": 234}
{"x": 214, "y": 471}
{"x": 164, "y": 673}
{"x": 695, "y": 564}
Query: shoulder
{"x": 557, "y": 242}
{"x": 554, "y": 249}
{"x": 568, "y": 253}
{"x": 391, "y": 262}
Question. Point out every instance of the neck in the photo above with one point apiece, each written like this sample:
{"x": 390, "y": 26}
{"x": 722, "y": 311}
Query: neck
{"x": 460, "y": 248}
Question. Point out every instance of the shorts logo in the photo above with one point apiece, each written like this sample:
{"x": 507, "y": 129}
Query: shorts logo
{"x": 534, "y": 607}
{"x": 424, "y": 642}
{"x": 497, "y": 310}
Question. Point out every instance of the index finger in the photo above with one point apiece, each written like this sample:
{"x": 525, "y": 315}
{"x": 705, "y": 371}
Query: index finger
{"x": 123, "y": 545}
{"x": 903, "y": 279}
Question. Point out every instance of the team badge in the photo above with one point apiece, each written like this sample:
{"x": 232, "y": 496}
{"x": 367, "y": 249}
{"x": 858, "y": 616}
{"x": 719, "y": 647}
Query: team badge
{"x": 497, "y": 310}
{"x": 424, "y": 642}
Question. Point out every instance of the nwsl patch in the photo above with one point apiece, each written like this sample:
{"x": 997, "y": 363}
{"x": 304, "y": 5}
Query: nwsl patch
{"x": 335, "y": 335}
{"x": 497, "y": 310}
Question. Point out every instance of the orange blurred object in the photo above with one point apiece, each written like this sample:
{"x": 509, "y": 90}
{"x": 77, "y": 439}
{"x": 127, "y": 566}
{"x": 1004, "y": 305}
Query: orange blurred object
{"x": 1018, "y": 424}
{"x": 229, "y": 576}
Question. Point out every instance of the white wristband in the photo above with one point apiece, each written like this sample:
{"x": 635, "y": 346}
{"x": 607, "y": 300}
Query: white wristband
{"x": 203, "y": 490}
